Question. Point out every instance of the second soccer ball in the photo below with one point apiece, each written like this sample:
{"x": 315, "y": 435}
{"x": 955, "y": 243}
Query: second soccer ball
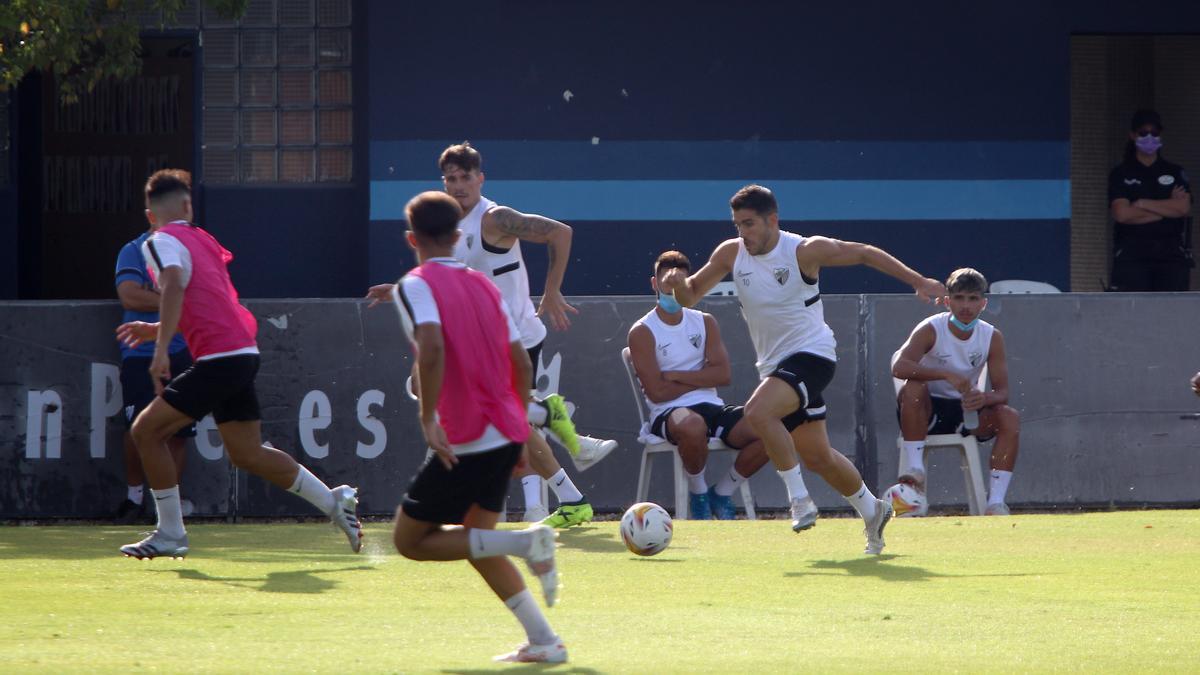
{"x": 907, "y": 501}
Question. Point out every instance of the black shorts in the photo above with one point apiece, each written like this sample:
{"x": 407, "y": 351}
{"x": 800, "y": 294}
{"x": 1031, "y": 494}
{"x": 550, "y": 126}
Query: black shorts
{"x": 535, "y": 355}
{"x": 137, "y": 389}
{"x": 222, "y": 386}
{"x": 945, "y": 417}
{"x": 719, "y": 418}
{"x": 807, "y": 374}
{"x": 440, "y": 495}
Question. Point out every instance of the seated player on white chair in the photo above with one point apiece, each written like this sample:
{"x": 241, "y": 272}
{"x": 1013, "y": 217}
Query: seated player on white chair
{"x": 941, "y": 362}
{"x": 680, "y": 361}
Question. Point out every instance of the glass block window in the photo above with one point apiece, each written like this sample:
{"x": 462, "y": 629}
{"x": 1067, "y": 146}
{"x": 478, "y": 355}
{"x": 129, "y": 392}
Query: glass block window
{"x": 277, "y": 92}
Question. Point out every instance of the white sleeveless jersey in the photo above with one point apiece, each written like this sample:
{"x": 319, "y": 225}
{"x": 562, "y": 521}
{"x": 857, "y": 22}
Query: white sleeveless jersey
{"x": 680, "y": 347}
{"x": 782, "y": 308}
{"x": 965, "y": 357}
{"x": 506, "y": 269}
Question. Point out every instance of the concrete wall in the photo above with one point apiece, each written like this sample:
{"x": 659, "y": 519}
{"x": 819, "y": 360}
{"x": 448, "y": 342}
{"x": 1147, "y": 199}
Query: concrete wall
{"x": 1100, "y": 380}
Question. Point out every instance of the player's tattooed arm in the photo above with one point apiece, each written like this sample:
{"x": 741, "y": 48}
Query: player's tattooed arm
{"x": 557, "y": 238}
{"x": 526, "y": 226}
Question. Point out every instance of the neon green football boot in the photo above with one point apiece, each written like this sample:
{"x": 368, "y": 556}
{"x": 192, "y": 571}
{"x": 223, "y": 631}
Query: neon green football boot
{"x": 569, "y": 515}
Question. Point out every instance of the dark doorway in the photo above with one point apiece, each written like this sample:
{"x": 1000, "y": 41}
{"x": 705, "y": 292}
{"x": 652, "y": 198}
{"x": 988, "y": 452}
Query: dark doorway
{"x": 96, "y": 155}
{"x": 1112, "y": 76}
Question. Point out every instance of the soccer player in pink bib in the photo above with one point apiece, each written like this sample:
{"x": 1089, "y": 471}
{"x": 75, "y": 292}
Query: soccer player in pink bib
{"x": 189, "y": 267}
{"x": 472, "y": 379}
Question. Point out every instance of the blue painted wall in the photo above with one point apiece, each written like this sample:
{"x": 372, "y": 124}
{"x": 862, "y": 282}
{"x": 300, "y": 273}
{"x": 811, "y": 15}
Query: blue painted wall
{"x": 291, "y": 242}
{"x": 924, "y": 127}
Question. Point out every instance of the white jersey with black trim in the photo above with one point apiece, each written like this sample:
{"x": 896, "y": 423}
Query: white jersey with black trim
{"x": 680, "y": 347}
{"x": 506, "y": 269}
{"x": 782, "y": 308}
{"x": 964, "y": 357}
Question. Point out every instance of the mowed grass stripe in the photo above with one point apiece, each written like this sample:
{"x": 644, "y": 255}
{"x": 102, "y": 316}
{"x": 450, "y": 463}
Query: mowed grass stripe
{"x": 1105, "y": 592}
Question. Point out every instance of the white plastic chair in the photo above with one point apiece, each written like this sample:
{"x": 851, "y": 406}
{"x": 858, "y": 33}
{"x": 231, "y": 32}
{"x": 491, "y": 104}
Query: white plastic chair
{"x": 653, "y": 444}
{"x": 723, "y": 288}
{"x": 968, "y": 447}
{"x": 1022, "y": 286}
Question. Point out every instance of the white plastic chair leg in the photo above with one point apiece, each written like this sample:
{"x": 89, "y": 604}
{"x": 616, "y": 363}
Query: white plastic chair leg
{"x": 643, "y": 486}
{"x": 748, "y": 500}
{"x": 973, "y": 476}
{"x": 681, "y": 489}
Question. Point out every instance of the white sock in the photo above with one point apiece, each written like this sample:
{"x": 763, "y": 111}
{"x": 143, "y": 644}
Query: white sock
{"x": 696, "y": 482}
{"x": 729, "y": 484}
{"x": 999, "y": 486}
{"x": 313, "y": 490}
{"x": 564, "y": 488}
{"x": 490, "y": 543}
{"x": 537, "y": 414}
{"x": 134, "y": 493}
{"x": 914, "y": 456}
{"x": 532, "y": 487}
{"x": 170, "y": 517}
{"x": 863, "y": 502}
{"x": 794, "y": 482}
{"x": 526, "y": 609}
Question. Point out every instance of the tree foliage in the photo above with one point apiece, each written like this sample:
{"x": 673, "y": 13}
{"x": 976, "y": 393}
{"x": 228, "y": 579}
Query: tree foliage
{"x": 81, "y": 42}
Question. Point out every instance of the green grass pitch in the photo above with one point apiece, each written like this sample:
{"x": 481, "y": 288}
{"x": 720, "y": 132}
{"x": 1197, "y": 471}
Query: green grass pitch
{"x": 1102, "y": 592}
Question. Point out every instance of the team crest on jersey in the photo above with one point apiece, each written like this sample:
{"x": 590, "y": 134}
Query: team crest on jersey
{"x": 781, "y": 275}
{"x": 975, "y": 358}
{"x": 470, "y": 241}
{"x": 695, "y": 340}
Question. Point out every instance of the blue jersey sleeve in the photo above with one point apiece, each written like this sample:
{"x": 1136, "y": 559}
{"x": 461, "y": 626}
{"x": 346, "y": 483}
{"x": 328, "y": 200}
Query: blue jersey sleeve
{"x": 131, "y": 266}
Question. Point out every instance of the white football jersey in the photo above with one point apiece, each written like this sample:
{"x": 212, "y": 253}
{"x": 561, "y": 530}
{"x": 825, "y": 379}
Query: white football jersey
{"x": 782, "y": 308}
{"x": 506, "y": 269}
{"x": 680, "y": 347}
{"x": 965, "y": 357}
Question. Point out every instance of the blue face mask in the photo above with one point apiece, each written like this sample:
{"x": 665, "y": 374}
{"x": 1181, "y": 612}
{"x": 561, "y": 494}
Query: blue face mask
{"x": 668, "y": 302}
{"x": 965, "y": 327}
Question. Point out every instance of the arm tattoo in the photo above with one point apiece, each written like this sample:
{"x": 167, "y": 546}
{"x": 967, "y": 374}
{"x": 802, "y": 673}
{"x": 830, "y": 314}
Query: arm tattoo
{"x": 521, "y": 225}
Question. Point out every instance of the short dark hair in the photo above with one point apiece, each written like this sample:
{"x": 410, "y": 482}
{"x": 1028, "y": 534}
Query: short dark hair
{"x": 1143, "y": 117}
{"x": 755, "y": 197}
{"x": 433, "y": 216}
{"x": 461, "y": 155}
{"x": 167, "y": 181}
{"x": 966, "y": 280}
{"x": 672, "y": 259}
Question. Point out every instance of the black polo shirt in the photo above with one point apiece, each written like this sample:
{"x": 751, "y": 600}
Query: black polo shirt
{"x": 1133, "y": 180}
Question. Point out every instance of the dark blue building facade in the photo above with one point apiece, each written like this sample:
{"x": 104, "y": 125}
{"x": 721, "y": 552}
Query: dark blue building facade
{"x": 937, "y": 130}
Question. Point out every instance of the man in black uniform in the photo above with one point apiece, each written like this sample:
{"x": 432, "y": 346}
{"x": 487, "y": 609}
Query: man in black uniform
{"x": 1150, "y": 200}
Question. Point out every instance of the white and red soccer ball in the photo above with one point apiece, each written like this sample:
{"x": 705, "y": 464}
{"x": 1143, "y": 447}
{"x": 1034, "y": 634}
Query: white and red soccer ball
{"x": 907, "y": 501}
{"x": 646, "y": 528}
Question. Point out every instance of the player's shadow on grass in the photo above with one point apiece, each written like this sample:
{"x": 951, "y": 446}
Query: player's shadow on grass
{"x": 596, "y": 540}
{"x": 296, "y": 581}
{"x": 556, "y": 668}
{"x": 591, "y": 539}
{"x": 876, "y": 566}
{"x": 91, "y": 542}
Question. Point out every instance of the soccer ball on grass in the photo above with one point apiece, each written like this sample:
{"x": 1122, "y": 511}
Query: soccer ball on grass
{"x": 646, "y": 528}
